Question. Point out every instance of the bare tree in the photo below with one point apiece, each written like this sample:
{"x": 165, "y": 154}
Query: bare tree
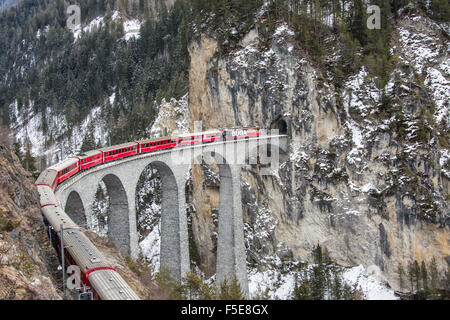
{"x": 6, "y": 137}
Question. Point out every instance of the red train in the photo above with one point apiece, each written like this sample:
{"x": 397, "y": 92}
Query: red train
{"x": 68, "y": 168}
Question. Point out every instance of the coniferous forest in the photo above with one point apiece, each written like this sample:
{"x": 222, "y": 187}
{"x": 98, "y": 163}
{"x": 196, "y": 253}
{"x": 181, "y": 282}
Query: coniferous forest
{"x": 79, "y": 75}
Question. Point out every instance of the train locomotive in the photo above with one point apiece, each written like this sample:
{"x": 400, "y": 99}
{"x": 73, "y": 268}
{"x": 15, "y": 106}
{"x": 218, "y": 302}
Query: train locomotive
{"x": 103, "y": 281}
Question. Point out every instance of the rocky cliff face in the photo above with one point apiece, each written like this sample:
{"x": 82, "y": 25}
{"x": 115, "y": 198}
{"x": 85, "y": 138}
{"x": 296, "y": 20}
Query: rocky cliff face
{"x": 28, "y": 264}
{"x": 366, "y": 175}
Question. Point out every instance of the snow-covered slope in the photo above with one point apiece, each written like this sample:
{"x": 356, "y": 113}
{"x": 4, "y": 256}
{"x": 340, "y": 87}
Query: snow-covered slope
{"x": 131, "y": 27}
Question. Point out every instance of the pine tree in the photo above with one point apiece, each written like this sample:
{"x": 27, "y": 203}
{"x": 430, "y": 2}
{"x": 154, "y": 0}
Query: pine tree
{"x": 337, "y": 286}
{"x": 318, "y": 282}
{"x": 317, "y": 254}
{"x": 434, "y": 276}
{"x": 88, "y": 143}
{"x": 303, "y": 292}
{"x": 192, "y": 285}
{"x": 424, "y": 273}
{"x": 411, "y": 275}
{"x": 230, "y": 291}
{"x": 347, "y": 293}
{"x": 28, "y": 160}
{"x": 401, "y": 276}
{"x": 416, "y": 273}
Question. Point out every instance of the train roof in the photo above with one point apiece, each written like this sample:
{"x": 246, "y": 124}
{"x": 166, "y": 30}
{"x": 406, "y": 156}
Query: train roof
{"x": 46, "y": 196}
{"x": 241, "y": 128}
{"x": 212, "y": 131}
{"x": 120, "y": 146}
{"x": 190, "y": 134}
{"x": 57, "y": 217}
{"x": 90, "y": 153}
{"x": 110, "y": 286}
{"x": 155, "y": 140}
{"x": 47, "y": 177}
{"x": 83, "y": 251}
{"x": 63, "y": 165}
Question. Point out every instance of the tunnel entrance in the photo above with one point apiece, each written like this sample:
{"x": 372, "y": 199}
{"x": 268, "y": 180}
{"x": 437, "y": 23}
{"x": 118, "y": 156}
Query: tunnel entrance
{"x": 281, "y": 126}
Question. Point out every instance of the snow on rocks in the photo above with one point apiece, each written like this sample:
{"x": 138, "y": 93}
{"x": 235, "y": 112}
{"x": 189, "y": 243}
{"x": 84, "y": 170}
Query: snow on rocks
{"x": 172, "y": 118}
{"x": 421, "y": 48}
{"x": 440, "y": 88}
{"x": 150, "y": 248}
{"x": 444, "y": 162}
{"x": 281, "y": 285}
{"x": 368, "y": 283}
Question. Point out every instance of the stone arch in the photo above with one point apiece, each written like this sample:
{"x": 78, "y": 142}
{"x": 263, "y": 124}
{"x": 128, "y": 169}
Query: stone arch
{"x": 118, "y": 221}
{"x": 231, "y": 258}
{"x": 172, "y": 253}
{"x": 75, "y": 209}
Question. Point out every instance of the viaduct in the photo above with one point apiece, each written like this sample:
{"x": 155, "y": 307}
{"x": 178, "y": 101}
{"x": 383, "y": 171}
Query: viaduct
{"x": 77, "y": 194}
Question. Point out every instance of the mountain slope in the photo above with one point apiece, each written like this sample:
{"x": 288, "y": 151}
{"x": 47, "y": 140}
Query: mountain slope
{"x": 367, "y": 113}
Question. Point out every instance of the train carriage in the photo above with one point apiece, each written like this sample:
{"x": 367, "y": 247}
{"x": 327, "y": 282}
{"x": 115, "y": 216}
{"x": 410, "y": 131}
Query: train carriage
{"x": 120, "y": 151}
{"x": 66, "y": 169}
{"x": 156, "y": 144}
{"x": 46, "y": 196}
{"x": 241, "y": 133}
{"x": 90, "y": 159}
{"x": 189, "y": 139}
{"x": 212, "y": 136}
{"x": 48, "y": 178}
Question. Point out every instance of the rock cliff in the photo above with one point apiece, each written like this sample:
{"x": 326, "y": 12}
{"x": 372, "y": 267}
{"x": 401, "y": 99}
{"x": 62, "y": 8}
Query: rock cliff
{"x": 28, "y": 264}
{"x": 367, "y": 173}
